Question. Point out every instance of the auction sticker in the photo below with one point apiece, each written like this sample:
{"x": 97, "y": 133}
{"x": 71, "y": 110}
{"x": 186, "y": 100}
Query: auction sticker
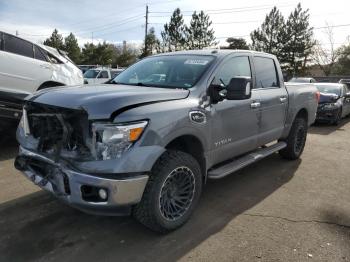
{"x": 196, "y": 62}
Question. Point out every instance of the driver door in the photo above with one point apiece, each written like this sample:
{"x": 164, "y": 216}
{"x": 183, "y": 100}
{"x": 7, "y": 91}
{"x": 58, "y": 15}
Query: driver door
{"x": 234, "y": 122}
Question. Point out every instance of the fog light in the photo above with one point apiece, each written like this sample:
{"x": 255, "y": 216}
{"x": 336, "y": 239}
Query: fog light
{"x": 102, "y": 193}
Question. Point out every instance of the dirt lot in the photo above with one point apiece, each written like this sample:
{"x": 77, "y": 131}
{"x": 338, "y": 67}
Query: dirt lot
{"x": 275, "y": 210}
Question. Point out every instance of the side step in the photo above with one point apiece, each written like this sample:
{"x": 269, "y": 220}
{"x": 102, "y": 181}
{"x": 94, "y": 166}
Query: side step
{"x": 244, "y": 161}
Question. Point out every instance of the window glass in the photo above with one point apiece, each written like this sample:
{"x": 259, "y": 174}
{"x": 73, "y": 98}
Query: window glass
{"x": 329, "y": 89}
{"x": 18, "y": 46}
{"x": 103, "y": 74}
{"x": 236, "y": 66}
{"x": 265, "y": 70}
{"x": 39, "y": 53}
{"x": 91, "y": 73}
{"x": 169, "y": 71}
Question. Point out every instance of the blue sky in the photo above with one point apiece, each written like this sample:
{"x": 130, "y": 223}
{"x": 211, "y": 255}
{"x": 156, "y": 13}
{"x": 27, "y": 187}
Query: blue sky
{"x": 118, "y": 20}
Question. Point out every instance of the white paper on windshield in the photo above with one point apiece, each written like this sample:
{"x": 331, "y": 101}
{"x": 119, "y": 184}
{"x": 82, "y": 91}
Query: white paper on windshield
{"x": 196, "y": 62}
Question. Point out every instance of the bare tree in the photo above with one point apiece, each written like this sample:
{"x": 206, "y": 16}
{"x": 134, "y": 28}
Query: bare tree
{"x": 325, "y": 55}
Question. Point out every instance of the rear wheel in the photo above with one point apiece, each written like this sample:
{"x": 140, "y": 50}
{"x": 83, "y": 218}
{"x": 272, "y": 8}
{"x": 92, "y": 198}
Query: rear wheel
{"x": 295, "y": 140}
{"x": 171, "y": 194}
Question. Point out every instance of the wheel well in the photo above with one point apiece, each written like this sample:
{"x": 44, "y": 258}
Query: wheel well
{"x": 302, "y": 114}
{"x": 190, "y": 145}
{"x": 48, "y": 84}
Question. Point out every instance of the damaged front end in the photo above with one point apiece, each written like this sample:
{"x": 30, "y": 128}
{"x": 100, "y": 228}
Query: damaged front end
{"x": 56, "y": 132}
{"x": 54, "y": 141}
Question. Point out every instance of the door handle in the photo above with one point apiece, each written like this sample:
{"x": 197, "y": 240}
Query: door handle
{"x": 255, "y": 105}
{"x": 283, "y": 99}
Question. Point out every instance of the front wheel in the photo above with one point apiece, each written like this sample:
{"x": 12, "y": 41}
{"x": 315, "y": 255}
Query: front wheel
{"x": 295, "y": 140}
{"x": 171, "y": 194}
{"x": 337, "y": 119}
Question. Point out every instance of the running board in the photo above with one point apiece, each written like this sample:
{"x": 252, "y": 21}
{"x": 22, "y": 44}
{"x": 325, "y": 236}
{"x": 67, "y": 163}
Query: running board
{"x": 244, "y": 161}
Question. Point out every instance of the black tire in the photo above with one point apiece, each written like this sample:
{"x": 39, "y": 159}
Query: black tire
{"x": 153, "y": 209}
{"x": 338, "y": 118}
{"x": 295, "y": 140}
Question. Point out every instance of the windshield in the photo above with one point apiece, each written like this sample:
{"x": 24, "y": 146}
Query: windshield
{"x": 329, "y": 89}
{"x": 91, "y": 73}
{"x": 173, "y": 71}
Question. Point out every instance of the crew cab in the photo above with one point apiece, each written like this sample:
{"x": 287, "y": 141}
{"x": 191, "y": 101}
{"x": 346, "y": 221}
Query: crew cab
{"x": 147, "y": 145}
{"x": 26, "y": 67}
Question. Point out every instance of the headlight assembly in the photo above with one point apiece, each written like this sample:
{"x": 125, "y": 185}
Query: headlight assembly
{"x": 111, "y": 140}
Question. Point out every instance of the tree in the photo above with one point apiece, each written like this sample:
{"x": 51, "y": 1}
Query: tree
{"x": 236, "y": 43}
{"x": 173, "y": 35}
{"x": 269, "y": 37}
{"x": 325, "y": 56}
{"x": 124, "y": 55}
{"x": 342, "y": 66}
{"x": 101, "y": 54}
{"x": 72, "y": 48}
{"x": 153, "y": 44}
{"x": 55, "y": 40}
{"x": 298, "y": 42}
{"x": 199, "y": 34}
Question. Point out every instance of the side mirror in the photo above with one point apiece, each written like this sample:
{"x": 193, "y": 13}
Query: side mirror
{"x": 239, "y": 88}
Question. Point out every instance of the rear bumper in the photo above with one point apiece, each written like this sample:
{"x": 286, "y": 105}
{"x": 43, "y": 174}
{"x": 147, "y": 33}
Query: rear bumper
{"x": 67, "y": 185}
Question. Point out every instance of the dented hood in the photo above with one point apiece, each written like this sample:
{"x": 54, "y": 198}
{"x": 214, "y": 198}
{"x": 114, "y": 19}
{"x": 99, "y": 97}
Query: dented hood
{"x": 101, "y": 101}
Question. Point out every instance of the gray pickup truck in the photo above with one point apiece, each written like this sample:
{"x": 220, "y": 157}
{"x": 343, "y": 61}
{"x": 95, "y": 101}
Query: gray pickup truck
{"x": 147, "y": 143}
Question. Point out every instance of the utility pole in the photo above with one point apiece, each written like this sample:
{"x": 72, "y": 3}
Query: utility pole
{"x": 92, "y": 37}
{"x": 146, "y": 29}
{"x": 17, "y": 34}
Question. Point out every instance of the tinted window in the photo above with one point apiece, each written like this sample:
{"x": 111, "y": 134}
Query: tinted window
{"x": 236, "y": 66}
{"x": 39, "y": 53}
{"x": 103, "y": 74}
{"x": 266, "y": 75}
{"x": 18, "y": 46}
{"x": 91, "y": 73}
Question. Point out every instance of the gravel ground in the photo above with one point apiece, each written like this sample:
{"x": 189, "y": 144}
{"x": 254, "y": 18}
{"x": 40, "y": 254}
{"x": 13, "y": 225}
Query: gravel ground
{"x": 274, "y": 210}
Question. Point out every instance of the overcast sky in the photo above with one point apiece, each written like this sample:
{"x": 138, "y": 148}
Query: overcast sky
{"x": 118, "y": 20}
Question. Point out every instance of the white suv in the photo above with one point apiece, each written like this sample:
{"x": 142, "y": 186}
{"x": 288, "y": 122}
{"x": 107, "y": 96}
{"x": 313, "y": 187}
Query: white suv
{"x": 26, "y": 67}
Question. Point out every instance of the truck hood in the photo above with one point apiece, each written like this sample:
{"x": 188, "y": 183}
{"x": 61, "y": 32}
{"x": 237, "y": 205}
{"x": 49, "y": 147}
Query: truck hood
{"x": 328, "y": 98}
{"x": 104, "y": 101}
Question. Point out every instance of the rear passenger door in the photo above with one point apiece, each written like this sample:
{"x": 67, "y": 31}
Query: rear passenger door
{"x": 234, "y": 123}
{"x": 273, "y": 99}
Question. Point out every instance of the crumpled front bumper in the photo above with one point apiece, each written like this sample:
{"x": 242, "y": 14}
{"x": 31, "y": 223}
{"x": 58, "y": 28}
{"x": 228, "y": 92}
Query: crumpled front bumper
{"x": 66, "y": 184}
{"x": 327, "y": 114}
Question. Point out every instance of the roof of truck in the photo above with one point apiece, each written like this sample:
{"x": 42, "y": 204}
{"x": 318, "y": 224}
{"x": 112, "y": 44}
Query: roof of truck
{"x": 215, "y": 52}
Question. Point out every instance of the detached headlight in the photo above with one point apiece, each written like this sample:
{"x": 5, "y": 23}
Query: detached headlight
{"x": 111, "y": 140}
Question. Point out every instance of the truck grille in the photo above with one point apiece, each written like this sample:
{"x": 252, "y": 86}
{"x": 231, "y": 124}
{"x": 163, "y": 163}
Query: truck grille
{"x": 58, "y": 130}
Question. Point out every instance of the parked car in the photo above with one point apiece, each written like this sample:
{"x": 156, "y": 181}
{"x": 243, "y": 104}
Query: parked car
{"x": 147, "y": 145}
{"x": 334, "y": 102}
{"x": 100, "y": 75}
{"x": 26, "y": 67}
{"x": 346, "y": 82}
{"x": 85, "y": 68}
{"x": 302, "y": 80}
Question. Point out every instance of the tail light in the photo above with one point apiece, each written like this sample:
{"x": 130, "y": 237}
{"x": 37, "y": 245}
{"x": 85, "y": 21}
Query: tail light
{"x": 317, "y": 96}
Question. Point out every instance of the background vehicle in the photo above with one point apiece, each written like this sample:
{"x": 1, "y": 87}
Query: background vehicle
{"x": 148, "y": 144}
{"x": 100, "y": 75}
{"x": 26, "y": 67}
{"x": 345, "y": 82}
{"x": 334, "y": 102}
{"x": 302, "y": 80}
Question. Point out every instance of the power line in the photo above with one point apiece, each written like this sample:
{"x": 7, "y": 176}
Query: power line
{"x": 331, "y": 26}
